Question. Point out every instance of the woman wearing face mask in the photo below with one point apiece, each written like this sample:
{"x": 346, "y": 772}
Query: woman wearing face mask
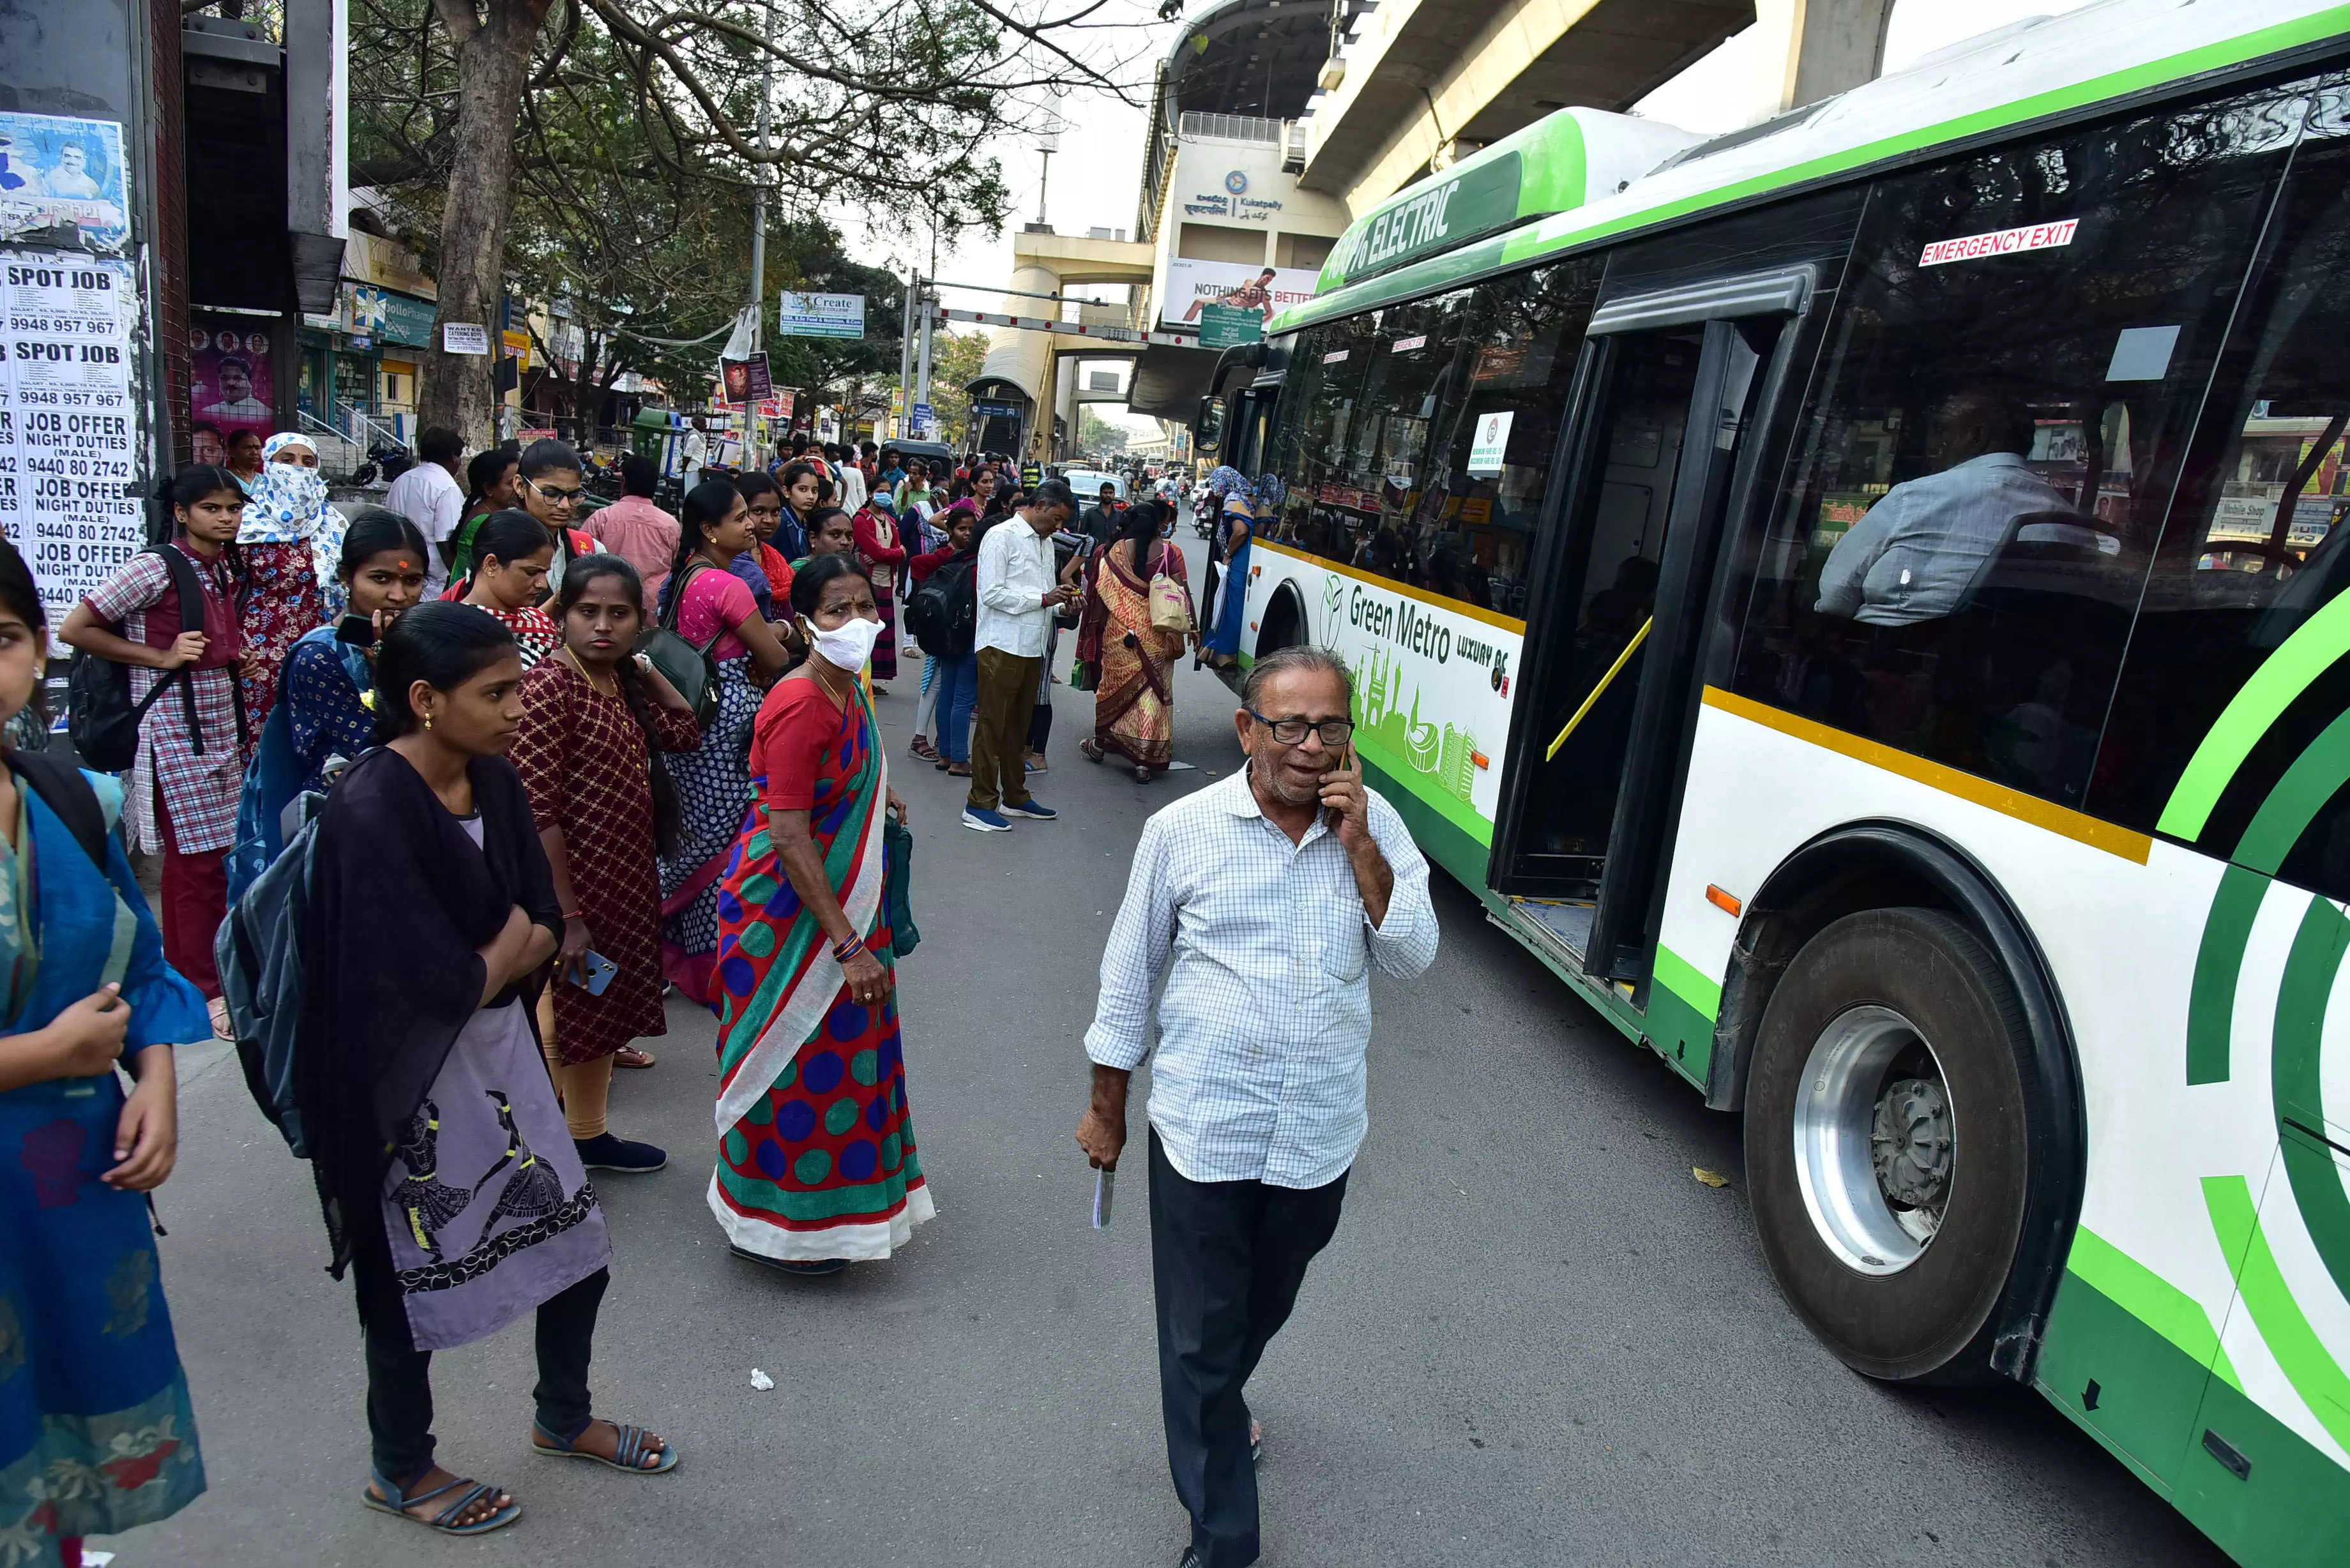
{"x": 596, "y": 720}
{"x": 708, "y": 607}
{"x": 322, "y": 705}
{"x": 819, "y": 1166}
{"x": 451, "y": 1189}
{"x": 291, "y": 540}
{"x": 512, "y": 554}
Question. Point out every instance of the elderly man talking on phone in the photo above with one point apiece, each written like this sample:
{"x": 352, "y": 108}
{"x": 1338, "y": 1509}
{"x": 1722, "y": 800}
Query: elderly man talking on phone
{"x": 1263, "y": 901}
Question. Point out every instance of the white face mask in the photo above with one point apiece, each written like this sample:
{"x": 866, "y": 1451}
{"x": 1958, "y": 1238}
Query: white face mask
{"x": 847, "y": 646}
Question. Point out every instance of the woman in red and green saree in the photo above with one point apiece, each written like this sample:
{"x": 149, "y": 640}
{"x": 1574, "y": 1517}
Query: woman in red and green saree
{"x": 1129, "y": 664}
{"x": 816, "y": 1164}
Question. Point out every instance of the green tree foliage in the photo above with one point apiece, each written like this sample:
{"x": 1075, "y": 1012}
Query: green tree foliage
{"x": 1097, "y": 436}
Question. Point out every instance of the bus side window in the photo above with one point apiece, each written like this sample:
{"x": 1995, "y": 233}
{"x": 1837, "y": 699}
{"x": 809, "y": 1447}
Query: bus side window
{"x": 1993, "y": 435}
{"x": 2253, "y": 546}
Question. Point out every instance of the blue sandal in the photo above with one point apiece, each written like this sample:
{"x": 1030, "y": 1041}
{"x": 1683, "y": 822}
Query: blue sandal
{"x": 633, "y": 1447}
{"x": 397, "y": 1503}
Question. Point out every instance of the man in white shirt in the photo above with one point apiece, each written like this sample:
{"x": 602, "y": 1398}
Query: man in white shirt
{"x": 430, "y": 497}
{"x": 1017, "y": 596}
{"x": 1263, "y": 901}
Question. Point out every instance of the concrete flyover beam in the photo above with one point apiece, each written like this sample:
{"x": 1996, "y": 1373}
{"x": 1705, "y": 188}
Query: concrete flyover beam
{"x": 1426, "y": 74}
{"x": 1074, "y": 259}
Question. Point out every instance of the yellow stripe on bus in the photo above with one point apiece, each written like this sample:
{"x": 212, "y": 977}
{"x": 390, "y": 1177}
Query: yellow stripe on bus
{"x": 2057, "y": 819}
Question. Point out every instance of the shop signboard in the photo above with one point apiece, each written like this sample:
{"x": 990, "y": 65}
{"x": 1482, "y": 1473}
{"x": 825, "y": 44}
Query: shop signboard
{"x": 821, "y": 316}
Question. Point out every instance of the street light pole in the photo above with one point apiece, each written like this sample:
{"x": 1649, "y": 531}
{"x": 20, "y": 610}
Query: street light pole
{"x": 759, "y": 195}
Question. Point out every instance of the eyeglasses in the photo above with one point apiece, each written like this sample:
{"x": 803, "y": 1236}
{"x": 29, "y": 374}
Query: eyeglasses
{"x": 556, "y": 497}
{"x": 1335, "y": 732}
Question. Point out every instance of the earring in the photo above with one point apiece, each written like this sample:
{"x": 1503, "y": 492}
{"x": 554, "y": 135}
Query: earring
{"x": 427, "y": 718}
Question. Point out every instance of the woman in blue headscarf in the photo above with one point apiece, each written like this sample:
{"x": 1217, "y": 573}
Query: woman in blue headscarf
{"x": 292, "y": 541}
{"x": 1235, "y": 500}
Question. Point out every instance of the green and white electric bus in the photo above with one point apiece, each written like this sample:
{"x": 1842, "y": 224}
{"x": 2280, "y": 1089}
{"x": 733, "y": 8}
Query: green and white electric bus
{"x": 1861, "y": 599}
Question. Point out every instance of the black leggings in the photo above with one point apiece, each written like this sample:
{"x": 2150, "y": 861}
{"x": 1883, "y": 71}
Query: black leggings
{"x": 399, "y": 1381}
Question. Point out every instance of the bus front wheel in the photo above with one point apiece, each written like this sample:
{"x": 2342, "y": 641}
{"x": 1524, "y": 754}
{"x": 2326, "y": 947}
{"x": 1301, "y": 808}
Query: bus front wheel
{"x": 1887, "y": 1142}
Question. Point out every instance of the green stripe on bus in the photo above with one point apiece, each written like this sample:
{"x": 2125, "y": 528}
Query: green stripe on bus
{"x": 1688, "y": 982}
{"x": 2293, "y": 803}
{"x": 2284, "y": 675}
{"x": 2151, "y": 1299}
{"x": 1530, "y": 244}
{"x": 2307, "y": 1364}
{"x": 1432, "y": 795}
{"x": 2295, "y": 1082}
{"x": 2219, "y": 963}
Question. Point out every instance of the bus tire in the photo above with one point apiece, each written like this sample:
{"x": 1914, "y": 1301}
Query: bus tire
{"x": 1888, "y": 1142}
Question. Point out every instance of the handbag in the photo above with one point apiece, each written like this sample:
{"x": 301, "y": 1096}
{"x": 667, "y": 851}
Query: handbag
{"x": 684, "y": 665}
{"x": 898, "y": 885}
{"x": 1171, "y": 606}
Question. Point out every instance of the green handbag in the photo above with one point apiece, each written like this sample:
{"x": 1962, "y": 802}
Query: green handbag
{"x": 898, "y": 886}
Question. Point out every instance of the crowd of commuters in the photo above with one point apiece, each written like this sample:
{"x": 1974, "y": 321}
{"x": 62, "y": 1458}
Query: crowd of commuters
{"x": 523, "y": 835}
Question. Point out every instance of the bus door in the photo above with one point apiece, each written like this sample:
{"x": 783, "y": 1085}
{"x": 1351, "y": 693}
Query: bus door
{"x": 1664, "y": 395}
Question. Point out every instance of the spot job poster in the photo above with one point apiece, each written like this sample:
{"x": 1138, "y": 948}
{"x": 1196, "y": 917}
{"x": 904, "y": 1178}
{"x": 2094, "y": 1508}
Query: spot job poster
{"x": 69, "y": 424}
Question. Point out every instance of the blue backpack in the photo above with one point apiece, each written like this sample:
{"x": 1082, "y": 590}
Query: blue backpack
{"x": 259, "y": 950}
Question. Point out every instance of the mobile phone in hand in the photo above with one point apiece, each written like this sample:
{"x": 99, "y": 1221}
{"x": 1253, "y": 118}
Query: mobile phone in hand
{"x": 357, "y": 630}
{"x": 599, "y": 972}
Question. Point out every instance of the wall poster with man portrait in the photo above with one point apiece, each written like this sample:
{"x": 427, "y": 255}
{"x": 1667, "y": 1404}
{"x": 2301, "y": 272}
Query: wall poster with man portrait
{"x": 229, "y": 381}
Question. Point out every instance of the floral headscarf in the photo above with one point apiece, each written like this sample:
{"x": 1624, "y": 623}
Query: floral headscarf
{"x": 1238, "y": 495}
{"x": 288, "y": 505}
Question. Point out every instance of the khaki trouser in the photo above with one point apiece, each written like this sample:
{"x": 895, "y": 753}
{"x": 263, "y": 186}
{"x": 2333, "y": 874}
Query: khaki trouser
{"x": 998, "y": 729}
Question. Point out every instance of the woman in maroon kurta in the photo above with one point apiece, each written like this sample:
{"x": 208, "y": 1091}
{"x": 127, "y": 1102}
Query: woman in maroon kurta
{"x": 594, "y": 722}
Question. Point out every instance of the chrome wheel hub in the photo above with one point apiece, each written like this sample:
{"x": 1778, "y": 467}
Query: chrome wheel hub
{"x": 1876, "y": 1142}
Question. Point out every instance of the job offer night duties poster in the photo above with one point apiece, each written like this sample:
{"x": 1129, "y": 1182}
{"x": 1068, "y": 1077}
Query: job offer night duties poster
{"x": 69, "y": 427}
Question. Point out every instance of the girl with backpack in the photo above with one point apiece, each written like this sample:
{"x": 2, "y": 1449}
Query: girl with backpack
{"x": 80, "y": 1300}
{"x": 190, "y": 765}
{"x": 951, "y": 682}
{"x": 452, "y": 1191}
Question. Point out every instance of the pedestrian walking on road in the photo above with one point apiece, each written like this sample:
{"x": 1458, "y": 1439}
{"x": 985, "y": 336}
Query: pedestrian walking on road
{"x": 708, "y": 606}
{"x": 1018, "y": 596}
{"x": 1262, "y": 901}
{"x": 1129, "y": 658}
{"x": 596, "y": 720}
{"x": 96, "y": 1435}
{"x": 942, "y": 717}
{"x": 816, "y": 1164}
{"x": 512, "y": 556}
{"x": 451, "y": 1189}
{"x": 190, "y": 768}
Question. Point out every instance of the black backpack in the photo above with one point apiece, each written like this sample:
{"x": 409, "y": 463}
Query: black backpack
{"x": 62, "y": 788}
{"x": 943, "y": 614}
{"x": 100, "y": 718}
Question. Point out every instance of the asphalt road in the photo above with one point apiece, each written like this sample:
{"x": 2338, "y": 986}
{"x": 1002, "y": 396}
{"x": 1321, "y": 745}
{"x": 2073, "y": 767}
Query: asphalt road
{"x": 1535, "y": 1340}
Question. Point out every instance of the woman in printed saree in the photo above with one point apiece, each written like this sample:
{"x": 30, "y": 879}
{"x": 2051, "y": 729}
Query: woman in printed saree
{"x": 1129, "y": 663}
{"x": 96, "y": 1434}
{"x": 451, "y": 1185}
{"x": 880, "y": 542}
{"x": 709, "y": 606}
{"x": 816, "y": 1164}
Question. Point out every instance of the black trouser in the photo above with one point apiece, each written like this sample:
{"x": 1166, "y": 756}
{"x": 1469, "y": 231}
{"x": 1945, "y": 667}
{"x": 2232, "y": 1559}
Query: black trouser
{"x": 1226, "y": 1260}
{"x": 399, "y": 1381}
